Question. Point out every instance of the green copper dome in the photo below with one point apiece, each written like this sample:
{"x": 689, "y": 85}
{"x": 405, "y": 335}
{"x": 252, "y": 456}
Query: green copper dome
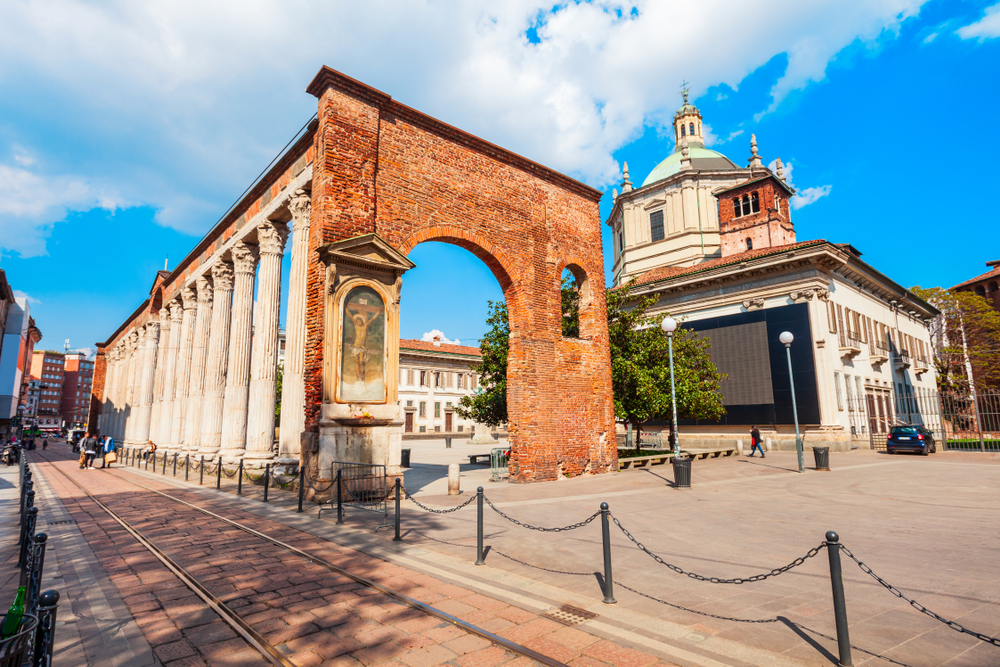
{"x": 701, "y": 158}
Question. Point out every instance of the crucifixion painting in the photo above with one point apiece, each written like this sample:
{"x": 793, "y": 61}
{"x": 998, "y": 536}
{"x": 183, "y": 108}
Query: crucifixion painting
{"x": 362, "y": 366}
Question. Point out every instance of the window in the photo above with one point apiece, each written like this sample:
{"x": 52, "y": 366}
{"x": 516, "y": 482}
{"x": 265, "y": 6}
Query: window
{"x": 683, "y": 130}
{"x": 423, "y": 378}
{"x": 656, "y": 225}
{"x": 847, "y": 390}
{"x": 736, "y": 207}
{"x": 840, "y": 396}
{"x": 437, "y": 409}
{"x": 745, "y": 201}
{"x": 831, "y": 316}
{"x": 423, "y": 429}
{"x": 423, "y": 408}
{"x": 409, "y": 404}
{"x": 447, "y": 406}
{"x": 749, "y": 244}
{"x": 777, "y": 203}
{"x": 409, "y": 377}
{"x": 621, "y": 241}
{"x": 437, "y": 380}
{"x": 460, "y": 428}
{"x": 692, "y": 129}
{"x": 461, "y": 380}
{"x": 437, "y": 429}
{"x": 754, "y": 202}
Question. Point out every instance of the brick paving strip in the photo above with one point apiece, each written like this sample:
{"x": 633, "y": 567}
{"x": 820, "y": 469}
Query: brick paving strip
{"x": 312, "y": 615}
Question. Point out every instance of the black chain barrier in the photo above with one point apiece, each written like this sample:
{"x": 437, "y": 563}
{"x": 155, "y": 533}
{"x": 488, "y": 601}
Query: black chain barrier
{"x": 316, "y": 490}
{"x": 539, "y": 567}
{"x": 958, "y": 627}
{"x": 228, "y": 476}
{"x": 558, "y": 529}
{"x": 431, "y": 509}
{"x": 715, "y": 580}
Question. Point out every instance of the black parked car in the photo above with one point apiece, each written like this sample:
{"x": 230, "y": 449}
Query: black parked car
{"x": 910, "y": 439}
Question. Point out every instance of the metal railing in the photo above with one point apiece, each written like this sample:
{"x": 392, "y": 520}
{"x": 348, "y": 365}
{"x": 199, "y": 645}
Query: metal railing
{"x": 362, "y": 486}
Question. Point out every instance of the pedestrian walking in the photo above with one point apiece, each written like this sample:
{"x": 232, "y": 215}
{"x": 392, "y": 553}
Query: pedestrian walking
{"x": 755, "y": 441}
{"x": 45, "y": 444}
{"x": 110, "y": 455}
{"x": 89, "y": 448}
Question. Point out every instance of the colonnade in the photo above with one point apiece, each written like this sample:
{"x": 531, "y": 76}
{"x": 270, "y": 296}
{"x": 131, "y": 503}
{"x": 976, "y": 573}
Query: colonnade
{"x": 199, "y": 376}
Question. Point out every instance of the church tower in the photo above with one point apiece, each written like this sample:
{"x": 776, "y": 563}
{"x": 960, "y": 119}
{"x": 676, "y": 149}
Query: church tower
{"x": 687, "y": 124}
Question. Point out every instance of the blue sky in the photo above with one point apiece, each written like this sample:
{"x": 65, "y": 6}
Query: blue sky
{"x": 127, "y": 129}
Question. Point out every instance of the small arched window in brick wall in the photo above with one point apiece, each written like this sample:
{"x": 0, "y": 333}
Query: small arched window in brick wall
{"x": 749, "y": 244}
{"x": 754, "y": 202}
{"x": 577, "y": 312}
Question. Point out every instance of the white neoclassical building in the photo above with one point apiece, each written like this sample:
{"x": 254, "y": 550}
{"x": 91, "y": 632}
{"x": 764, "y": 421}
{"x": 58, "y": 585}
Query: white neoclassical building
{"x": 433, "y": 378}
{"x": 716, "y": 243}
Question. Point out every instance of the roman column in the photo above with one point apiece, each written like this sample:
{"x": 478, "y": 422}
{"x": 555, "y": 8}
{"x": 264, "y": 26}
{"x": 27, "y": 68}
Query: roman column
{"x": 148, "y": 379}
{"x": 199, "y": 349}
{"x": 216, "y": 360}
{"x": 234, "y": 415}
{"x": 293, "y": 395}
{"x": 161, "y": 355}
{"x": 116, "y": 398}
{"x": 182, "y": 370}
{"x": 138, "y": 340}
{"x": 271, "y": 237}
{"x": 170, "y": 375}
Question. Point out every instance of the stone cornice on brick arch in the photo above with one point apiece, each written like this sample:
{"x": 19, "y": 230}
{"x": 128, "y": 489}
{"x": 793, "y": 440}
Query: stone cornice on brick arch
{"x": 331, "y": 78}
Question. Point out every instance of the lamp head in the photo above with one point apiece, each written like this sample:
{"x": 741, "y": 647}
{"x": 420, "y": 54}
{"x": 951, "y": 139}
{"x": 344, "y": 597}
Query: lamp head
{"x": 786, "y": 337}
{"x": 669, "y": 325}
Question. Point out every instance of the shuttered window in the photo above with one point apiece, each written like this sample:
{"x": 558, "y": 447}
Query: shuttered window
{"x": 656, "y": 225}
{"x": 840, "y": 317}
{"x": 831, "y": 316}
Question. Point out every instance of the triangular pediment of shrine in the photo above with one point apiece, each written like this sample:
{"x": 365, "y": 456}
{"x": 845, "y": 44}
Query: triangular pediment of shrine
{"x": 369, "y": 251}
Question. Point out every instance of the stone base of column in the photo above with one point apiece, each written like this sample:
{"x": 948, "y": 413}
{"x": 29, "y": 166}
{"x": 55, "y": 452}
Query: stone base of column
{"x": 231, "y": 455}
{"x": 288, "y": 466}
{"x": 257, "y": 459}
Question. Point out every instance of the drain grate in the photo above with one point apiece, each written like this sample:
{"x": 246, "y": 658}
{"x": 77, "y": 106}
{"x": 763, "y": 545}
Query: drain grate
{"x": 569, "y": 615}
{"x": 62, "y": 523}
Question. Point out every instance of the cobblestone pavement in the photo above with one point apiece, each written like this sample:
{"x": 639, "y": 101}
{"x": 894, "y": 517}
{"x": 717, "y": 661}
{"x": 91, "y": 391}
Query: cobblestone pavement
{"x": 311, "y": 614}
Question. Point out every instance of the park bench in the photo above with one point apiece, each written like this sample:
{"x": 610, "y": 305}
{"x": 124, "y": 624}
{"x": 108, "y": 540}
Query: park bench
{"x": 475, "y": 458}
{"x": 661, "y": 459}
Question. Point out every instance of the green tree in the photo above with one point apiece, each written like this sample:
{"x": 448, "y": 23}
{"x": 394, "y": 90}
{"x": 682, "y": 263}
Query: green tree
{"x": 965, "y": 338}
{"x": 277, "y": 395}
{"x": 489, "y": 404}
{"x": 570, "y": 306}
{"x": 640, "y": 365}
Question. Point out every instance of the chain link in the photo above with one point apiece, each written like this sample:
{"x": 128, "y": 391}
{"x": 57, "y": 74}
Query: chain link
{"x": 323, "y": 490}
{"x": 916, "y": 605}
{"x": 559, "y": 529}
{"x": 715, "y": 580}
{"x": 233, "y": 476}
{"x": 431, "y": 509}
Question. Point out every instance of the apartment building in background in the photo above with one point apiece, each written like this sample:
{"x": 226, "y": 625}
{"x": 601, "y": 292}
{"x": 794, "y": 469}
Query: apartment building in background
{"x": 77, "y": 387}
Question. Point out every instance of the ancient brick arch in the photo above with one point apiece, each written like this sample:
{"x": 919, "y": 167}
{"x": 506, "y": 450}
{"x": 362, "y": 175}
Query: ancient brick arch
{"x": 381, "y": 167}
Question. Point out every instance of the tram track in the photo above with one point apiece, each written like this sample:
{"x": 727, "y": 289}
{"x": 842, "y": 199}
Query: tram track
{"x": 251, "y": 636}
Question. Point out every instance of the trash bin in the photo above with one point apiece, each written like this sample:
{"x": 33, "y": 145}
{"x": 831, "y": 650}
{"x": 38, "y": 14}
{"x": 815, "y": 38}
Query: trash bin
{"x": 496, "y": 436}
{"x": 447, "y": 443}
{"x": 14, "y": 649}
{"x": 822, "y": 456}
{"x": 405, "y": 459}
{"x": 682, "y": 472}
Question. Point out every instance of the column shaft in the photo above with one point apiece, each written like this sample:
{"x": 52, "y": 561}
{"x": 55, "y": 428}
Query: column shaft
{"x": 148, "y": 378}
{"x": 216, "y": 360}
{"x": 182, "y": 370}
{"x": 169, "y": 375}
{"x": 271, "y": 237}
{"x": 199, "y": 351}
{"x": 161, "y": 354}
{"x": 293, "y": 395}
{"x": 234, "y": 416}
{"x": 137, "y": 340}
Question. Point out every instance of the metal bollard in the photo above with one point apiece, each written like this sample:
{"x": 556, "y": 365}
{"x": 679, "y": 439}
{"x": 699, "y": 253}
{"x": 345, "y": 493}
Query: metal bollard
{"x": 239, "y": 480}
{"x": 175, "y": 464}
{"x": 201, "y": 472}
{"x": 29, "y": 502}
{"x": 34, "y": 576}
{"x": 839, "y": 604}
{"x": 45, "y": 635}
{"x": 479, "y": 527}
{"x": 609, "y": 584}
{"x": 164, "y": 464}
{"x": 27, "y": 535}
{"x": 398, "y": 486}
{"x": 26, "y": 489}
{"x": 340, "y": 500}
{"x": 302, "y": 487}
{"x": 218, "y": 475}
{"x": 147, "y": 461}
{"x": 187, "y": 466}
{"x": 267, "y": 478}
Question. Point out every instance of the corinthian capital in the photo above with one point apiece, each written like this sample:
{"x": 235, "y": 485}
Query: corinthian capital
{"x": 176, "y": 311}
{"x": 189, "y": 298}
{"x": 222, "y": 276}
{"x": 153, "y": 332}
{"x": 299, "y": 206}
{"x": 244, "y": 258}
{"x": 271, "y": 235}
{"x": 165, "y": 317}
{"x": 204, "y": 290}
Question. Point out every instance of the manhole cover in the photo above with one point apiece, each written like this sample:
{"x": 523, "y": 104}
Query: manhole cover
{"x": 569, "y": 615}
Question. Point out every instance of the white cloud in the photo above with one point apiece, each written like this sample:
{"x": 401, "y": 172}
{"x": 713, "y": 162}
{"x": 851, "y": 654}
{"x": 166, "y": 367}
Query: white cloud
{"x": 809, "y": 196}
{"x": 985, "y": 28}
{"x": 31, "y": 201}
{"x": 180, "y": 103}
{"x": 24, "y": 295}
{"x": 733, "y": 135}
{"x": 429, "y": 337}
{"x": 802, "y": 197}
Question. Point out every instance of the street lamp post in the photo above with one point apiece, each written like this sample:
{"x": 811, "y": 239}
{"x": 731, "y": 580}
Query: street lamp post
{"x": 669, "y": 325}
{"x": 786, "y": 337}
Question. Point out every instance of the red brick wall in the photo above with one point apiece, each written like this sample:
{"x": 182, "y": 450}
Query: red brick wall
{"x": 383, "y": 167}
{"x": 100, "y": 373}
{"x": 768, "y": 228}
